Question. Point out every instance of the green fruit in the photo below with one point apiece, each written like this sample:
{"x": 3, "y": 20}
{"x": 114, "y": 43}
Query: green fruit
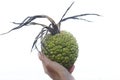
{"x": 57, "y": 45}
{"x": 61, "y": 47}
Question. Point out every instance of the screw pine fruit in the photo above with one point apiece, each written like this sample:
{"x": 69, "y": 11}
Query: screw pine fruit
{"x": 57, "y": 45}
{"x": 61, "y": 47}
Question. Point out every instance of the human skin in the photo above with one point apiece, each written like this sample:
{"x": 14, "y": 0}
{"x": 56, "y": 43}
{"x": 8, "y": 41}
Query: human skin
{"x": 55, "y": 70}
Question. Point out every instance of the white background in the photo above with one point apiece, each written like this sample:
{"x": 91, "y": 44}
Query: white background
{"x": 99, "y": 41}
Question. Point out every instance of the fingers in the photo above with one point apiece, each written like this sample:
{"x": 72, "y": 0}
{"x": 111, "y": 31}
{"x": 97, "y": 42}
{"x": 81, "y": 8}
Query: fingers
{"x": 44, "y": 59}
{"x": 47, "y": 62}
{"x": 72, "y": 69}
{"x": 51, "y": 65}
{"x": 41, "y": 56}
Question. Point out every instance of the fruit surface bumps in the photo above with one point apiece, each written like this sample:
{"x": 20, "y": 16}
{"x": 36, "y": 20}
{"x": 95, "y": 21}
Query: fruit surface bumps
{"x": 61, "y": 47}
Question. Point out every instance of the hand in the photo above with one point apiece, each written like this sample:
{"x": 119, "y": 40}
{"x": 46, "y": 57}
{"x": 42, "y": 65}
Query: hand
{"x": 55, "y": 70}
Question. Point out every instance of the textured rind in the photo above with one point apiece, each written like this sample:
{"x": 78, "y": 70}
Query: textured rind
{"x": 61, "y": 47}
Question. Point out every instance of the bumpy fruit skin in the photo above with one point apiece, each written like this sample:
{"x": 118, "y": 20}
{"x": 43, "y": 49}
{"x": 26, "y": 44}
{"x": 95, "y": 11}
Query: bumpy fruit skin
{"x": 61, "y": 47}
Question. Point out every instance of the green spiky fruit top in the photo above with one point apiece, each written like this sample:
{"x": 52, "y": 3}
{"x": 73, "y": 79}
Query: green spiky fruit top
{"x": 61, "y": 47}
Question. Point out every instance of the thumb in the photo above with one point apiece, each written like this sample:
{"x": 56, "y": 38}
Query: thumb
{"x": 44, "y": 59}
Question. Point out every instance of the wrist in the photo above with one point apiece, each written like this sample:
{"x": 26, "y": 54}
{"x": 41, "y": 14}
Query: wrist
{"x": 67, "y": 76}
{"x": 72, "y": 78}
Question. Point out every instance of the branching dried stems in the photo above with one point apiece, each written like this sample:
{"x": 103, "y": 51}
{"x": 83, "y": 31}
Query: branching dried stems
{"x": 53, "y": 28}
